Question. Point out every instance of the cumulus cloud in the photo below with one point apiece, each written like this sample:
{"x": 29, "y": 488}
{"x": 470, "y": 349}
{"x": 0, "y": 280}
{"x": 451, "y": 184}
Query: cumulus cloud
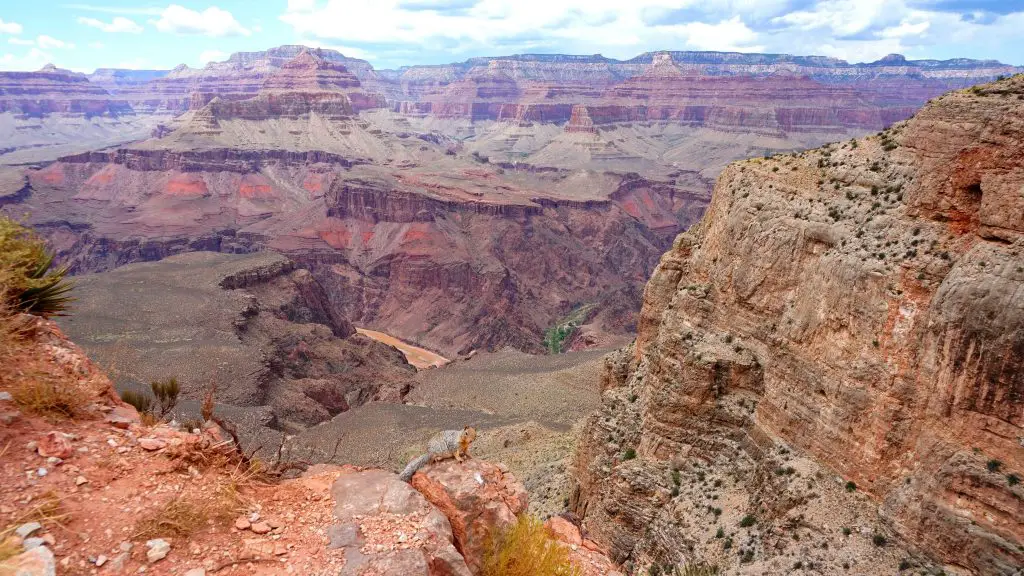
{"x": 586, "y": 26}
{"x": 33, "y": 60}
{"x": 9, "y": 27}
{"x": 47, "y": 42}
{"x": 730, "y": 35}
{"x": 118, "y": 24}
{"x": 409, "y": 31}
{"x": 212, "y": 56}
{"x": 21, "y": 42}
{"x": 905, "y": 29}
{"x": 210, "y": 22}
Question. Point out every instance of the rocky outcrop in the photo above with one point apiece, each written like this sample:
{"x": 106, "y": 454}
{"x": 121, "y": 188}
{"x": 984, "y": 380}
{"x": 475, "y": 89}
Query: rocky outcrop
{"x": 480, "y": 500}
{"x": 858, "y": 305}
{"x": 261, "y": 328}
{"x": 386, "y": 527}
{"x": 441, "y": 525}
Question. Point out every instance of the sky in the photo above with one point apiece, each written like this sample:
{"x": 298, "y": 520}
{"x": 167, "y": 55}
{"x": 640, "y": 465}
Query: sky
{"x": 391, "y": 33}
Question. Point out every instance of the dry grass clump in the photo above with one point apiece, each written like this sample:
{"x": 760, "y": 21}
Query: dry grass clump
{"x": 47, "y": 509}
{"x": 183, "y": 516}
{"x": 42, "y": 394}
{"x": 526, "y": 549}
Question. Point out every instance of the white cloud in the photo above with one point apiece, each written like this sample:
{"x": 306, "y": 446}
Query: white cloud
{"x": 611, "y": 27}
{"x": 210, "y": 22}
{"x": 212, "y": 56}
{"x": 114, "y": 9}
{"x": 134, "y": 64}
{"x": 47, "y": 42}
{"x": 728, "y": 35}
{"x": 905, "y": 29}
{"x": 96, "y": 45}
{"x": 350, "y": 51}
{"x": 9, "y": 27}
{"x": 43, "y": 42}
{"x": 842, "y": 17}
{"x": 118, "y": 24}
{"x": 34, "y": 60}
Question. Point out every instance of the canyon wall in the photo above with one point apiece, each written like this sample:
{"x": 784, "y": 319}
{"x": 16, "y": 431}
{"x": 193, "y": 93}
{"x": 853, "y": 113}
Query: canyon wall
{"x": 859, "y": 306}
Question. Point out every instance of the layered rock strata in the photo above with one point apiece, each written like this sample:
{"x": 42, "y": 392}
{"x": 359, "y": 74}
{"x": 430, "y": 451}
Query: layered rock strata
{"x": 857, "y": 307}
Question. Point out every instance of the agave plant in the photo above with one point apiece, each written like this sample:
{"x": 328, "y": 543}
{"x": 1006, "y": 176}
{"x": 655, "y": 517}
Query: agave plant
{"x": 27, "y": 272}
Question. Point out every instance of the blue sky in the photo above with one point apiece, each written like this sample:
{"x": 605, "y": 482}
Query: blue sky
{"x": 389, "y": 33}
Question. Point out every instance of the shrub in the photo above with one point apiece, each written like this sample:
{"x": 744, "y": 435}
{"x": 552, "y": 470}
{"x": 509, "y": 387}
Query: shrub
{"x": 851, "y": 486}
{"x": 846, "y": 531}
{"x": 993, "y": 465}
{"x": 720, "y": 533}
{"x": 183, "y": 516}
{"x": 629, "y": 455}
{"x": 698, "y": 569}
{"x": 166, "y": 393}
{"x": 154, "y": 408}
{"x": 27, "y": 276}
{"x": 748, "y": 521}
{"x": 878, "y": 540}
{"x": 525, "y": 549}
{"x": 1012, "y": 479}
{"x": 43, "y": 395}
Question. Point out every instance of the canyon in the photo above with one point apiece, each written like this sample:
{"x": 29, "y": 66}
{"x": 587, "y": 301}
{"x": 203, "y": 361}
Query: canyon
{"x": 459, "y": 207}
{"x": 823, "y": 279}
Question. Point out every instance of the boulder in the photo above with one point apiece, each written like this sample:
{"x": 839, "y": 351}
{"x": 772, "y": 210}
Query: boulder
{"x": 386, "y": 527}
{"x": 55, "y": 445}
{"x": 563, "y": 530}
{"x": 38, "y": 561}
{"x": 479, "y": 499}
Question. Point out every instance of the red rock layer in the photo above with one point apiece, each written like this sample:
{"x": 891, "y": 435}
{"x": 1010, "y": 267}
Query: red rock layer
{"x": 55, "y": 91}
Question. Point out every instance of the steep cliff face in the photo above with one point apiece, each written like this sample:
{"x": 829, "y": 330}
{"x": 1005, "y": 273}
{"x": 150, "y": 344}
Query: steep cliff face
{"x": 862, "y": 305}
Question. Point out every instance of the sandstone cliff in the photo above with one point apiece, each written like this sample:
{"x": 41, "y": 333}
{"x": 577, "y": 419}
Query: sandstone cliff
{"x": 858, "y": 307}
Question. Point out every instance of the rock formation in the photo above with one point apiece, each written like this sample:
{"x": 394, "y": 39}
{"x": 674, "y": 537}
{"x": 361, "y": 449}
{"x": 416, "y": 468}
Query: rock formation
{"x": 258, "y": 327}
{"x": 857, "y": 306}
{"x": 89, "y": 487}
{"x": 493, "y": 198}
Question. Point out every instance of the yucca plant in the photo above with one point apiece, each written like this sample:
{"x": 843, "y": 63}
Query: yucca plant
{"x": 27, "y": 274}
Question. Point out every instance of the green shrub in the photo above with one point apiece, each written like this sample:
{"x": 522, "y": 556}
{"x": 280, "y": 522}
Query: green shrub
{"x": 166, "y": 393}
{"x": 1012, "y": 479}
{"x": 851, "y": 486}
{"x": 993, "y": 465}
{"x": 879, "y": 540}
{"x": 748, "y": 521}
{"x": 698, "y": 569}
{"x": 142, "y": 403}
{"x": 629, "y": 455}
{"x": 27, "y": 275}
{"x": 525, "y": 549}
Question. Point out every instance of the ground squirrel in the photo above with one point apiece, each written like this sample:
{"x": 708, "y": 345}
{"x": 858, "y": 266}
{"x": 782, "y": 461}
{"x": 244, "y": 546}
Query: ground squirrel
{"x": 447, "y": 444}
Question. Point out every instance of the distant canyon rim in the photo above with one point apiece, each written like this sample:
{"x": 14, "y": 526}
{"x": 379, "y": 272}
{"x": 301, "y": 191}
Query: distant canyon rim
{"x": 467, "y": 206}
